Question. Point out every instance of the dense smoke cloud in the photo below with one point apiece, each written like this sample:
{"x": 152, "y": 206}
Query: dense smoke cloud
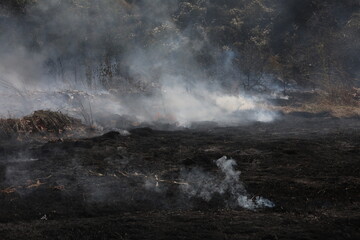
{"x": 110, "y": 49}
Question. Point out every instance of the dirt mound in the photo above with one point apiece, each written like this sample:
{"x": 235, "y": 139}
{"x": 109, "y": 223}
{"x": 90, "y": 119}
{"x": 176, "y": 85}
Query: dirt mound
{"x": 42, "y": 123}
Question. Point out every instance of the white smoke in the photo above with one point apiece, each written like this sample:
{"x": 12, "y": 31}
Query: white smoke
{"x": 155, "y": 74}
{"x": 205, "y": 186}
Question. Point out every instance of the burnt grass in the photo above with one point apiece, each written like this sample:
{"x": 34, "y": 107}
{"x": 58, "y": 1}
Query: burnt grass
{"x": 95, "y": 188}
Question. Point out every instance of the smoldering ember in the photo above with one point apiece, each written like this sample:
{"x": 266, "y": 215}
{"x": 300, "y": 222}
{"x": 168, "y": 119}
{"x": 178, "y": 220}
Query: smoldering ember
{"x": 182, "y": 119}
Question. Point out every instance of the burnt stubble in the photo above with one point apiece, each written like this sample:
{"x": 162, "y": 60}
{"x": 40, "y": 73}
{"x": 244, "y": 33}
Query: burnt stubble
{"x": 129, "y": 187}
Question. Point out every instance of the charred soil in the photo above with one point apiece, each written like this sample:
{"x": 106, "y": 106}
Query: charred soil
{"x": 129, "y": 186}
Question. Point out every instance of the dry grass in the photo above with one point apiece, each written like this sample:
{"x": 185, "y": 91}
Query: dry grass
{"x": 39, "y": 123}
{"x": 339, "y": 111}
{"x": 340, "y": 103}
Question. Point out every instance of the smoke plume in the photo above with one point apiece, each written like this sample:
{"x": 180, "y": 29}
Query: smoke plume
{"x": 205, "y": 186}
{"x": 118, "y": 58}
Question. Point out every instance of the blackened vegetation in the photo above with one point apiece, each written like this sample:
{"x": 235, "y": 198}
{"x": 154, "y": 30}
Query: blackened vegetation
{"x": 57, "y": 184}
{"x": 105, "y": 187}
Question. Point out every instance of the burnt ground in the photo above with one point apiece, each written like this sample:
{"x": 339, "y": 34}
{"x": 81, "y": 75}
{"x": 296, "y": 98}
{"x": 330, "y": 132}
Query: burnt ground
{"x": 129, "y": 187}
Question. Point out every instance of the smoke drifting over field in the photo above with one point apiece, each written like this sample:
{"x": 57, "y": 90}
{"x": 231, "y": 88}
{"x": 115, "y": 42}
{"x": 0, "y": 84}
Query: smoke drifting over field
{"x": 121, "y": 58}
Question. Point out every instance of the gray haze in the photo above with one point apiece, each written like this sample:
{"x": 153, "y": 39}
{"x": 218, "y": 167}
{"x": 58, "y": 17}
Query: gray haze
{"x": 117, "y": 58}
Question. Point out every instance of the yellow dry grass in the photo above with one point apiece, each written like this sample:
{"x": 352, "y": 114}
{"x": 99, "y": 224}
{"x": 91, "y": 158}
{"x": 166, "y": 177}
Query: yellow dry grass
{"x": 339, "y": 111}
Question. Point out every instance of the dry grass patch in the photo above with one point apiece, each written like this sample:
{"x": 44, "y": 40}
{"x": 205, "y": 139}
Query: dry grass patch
{"x": 41, "y": 123}
{"x": 339, "y": 103}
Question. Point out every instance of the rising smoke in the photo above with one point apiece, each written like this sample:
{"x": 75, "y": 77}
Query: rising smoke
{"x": 205, "y": 186}
{"x": 114, "y": 57}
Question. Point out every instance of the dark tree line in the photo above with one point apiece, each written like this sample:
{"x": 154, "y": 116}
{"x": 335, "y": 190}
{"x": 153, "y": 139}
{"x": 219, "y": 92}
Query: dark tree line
{"x": 309, "y": 43}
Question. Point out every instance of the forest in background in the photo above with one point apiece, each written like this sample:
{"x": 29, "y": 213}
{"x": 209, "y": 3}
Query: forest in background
{"x": 245, "y": 45}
